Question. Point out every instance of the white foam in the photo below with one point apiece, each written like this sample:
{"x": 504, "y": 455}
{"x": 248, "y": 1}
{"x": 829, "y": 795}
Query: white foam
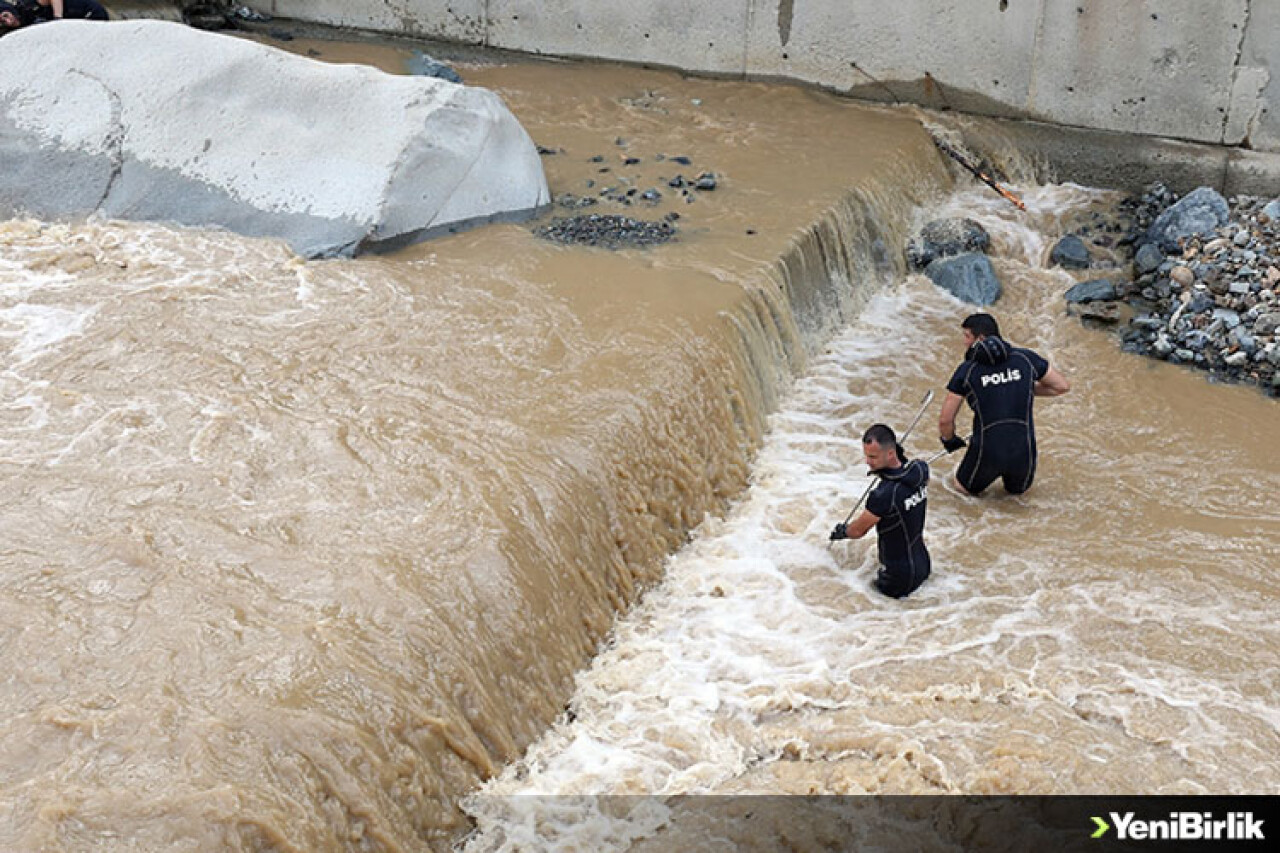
{"x": 36, "y": 329}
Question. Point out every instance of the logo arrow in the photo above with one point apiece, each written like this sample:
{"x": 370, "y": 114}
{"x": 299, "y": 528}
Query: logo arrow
{"x": 1102, "y": 828}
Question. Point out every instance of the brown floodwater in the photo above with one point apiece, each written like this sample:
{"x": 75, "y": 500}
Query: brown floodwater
{"x": 295, "y": 554}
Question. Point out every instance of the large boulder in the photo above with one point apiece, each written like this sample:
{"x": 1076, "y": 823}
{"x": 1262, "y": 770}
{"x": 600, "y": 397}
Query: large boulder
{"x": 945, "y": 238}
{"x": 1199, "y": 212}
{"x": 156, "y": 121}
{"x": 969, "y": 277}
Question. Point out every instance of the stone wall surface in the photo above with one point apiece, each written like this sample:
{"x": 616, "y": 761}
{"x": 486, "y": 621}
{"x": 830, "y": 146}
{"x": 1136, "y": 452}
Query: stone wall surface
{"x": 1184, "y": 69}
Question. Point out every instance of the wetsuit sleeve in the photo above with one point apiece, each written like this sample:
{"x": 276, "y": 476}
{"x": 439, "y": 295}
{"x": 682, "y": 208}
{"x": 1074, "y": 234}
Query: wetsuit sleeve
{"x": 880, "y": 502}
{"x": 1039, "y": 365}
{"x": 957, "y": 383}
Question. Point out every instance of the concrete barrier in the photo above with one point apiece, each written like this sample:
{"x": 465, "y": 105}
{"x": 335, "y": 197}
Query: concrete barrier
{"x": 1183, "y": 69}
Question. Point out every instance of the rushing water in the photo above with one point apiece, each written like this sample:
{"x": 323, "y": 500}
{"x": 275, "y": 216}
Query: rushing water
{"x": 294, "y": 554}
{"x": 1110, "y": 631}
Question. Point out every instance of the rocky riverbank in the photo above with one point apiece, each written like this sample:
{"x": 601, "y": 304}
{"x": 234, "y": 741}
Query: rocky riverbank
{"x": 1205, "y": 283}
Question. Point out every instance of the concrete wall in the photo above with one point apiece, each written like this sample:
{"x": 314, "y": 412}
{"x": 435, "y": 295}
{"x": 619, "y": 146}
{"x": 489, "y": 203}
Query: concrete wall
{"x": 1186, "y": 69}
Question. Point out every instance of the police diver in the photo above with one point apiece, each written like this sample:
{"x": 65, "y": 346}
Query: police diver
{"x": 999, "y": 382}
{"x": 896, "y": 508}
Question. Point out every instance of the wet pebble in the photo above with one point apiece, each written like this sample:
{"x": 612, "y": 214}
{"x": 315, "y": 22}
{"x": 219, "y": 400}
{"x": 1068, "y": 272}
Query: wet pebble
{"x": 607, "y": 230}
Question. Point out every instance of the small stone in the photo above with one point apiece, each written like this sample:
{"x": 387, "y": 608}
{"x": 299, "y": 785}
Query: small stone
{"x": 1182, "y": 275}
{"x": 1101, "y": 312}
{"x": 1266, "y": 324}
{"x": 1196, "y": 340}
{"x": 1227, "y": 317}
{"x": 1148, "y": 258}
{"x": 1242, "y": 237}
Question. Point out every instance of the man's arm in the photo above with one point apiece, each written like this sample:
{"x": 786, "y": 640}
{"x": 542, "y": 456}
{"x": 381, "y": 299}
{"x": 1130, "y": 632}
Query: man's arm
{"x": 1052, "y": 384}
{"x": 947, "y": 420}
{"x": 860, "y": 525}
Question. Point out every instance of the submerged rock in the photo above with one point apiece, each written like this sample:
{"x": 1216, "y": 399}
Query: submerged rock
{"x": 970, "y": 278}
{"x": 1070, "y": 253}
{"x": 427, "y": 66}
{"x": 118, "y": 119}
{"x": 1097, "y": 290}
{"x": 945, "y": 238}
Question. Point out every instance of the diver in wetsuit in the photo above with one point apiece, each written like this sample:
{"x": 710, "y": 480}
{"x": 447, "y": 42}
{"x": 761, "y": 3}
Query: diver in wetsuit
{"x": 896, "y": 508}
{"x": 999, "y": 382}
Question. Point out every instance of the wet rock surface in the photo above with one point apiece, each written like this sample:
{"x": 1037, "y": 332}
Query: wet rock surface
{"x": 969, "y": 277}
{"x": 945, "y": 238}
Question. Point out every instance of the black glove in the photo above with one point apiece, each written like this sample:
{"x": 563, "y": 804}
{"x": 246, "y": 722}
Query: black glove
{"x": 951, "y": 445}
{"x": 841, "y": 532}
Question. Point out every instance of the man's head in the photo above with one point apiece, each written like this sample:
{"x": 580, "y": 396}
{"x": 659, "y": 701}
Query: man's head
{"x": 8, "y": 17}
{"x": 880, "y": 448}
{"x": 979, "y": 326}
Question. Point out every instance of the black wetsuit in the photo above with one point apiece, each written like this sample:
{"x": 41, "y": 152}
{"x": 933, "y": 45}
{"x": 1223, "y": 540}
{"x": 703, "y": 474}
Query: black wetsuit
{"x": 31, "y": 12}
{"x": 998, "y": 382}
{"x": 900, "y": 500}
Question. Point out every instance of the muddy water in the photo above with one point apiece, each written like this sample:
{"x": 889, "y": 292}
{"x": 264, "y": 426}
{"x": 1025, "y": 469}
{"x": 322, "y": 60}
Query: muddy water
{"x": 292, "y": 554}
{"x": 1110, "y": 631}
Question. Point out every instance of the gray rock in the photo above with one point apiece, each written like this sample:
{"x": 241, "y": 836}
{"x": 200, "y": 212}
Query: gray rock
{"x": 969, "y": 277}
{"x": 1200, "y": 303}
{"x": 1070, "y": 253}
{"x": 944, "y": 238}
{"x": 1102, "y": 312}
{"x": 118, "y": 120}
{"x": 1097, "y": 290}
{"x": 1239, "y": 288}
{"x": 1243, "y": 339}
{"x": 1196, "y": 340}
{"x": 1199, "y": 212}
{"x": 423, "y": 65}
{"x": 1162, "y": 346}
{"x": 1229, "y": 318}
{"x": 1266, "y": 324}
{"x": 1148, "y": 258}
{"x": 1272, "y": 210}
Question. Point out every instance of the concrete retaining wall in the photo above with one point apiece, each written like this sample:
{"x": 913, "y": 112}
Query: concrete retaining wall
{"x": 1184, "y": 69}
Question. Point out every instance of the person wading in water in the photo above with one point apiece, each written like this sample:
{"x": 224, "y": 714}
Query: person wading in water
{"x": 896, "y": 508}
{"x": 999, "y": 382}
{"x": 21, "y": 13}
